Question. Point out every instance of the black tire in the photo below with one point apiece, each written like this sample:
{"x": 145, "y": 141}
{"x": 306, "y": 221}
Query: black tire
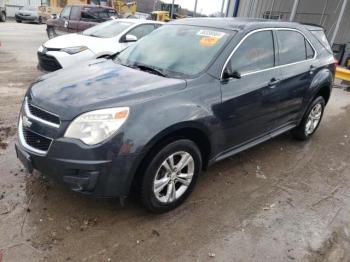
{"x": 18, "y": 21}
{"x": 300, "y": 131}
{"x": 51, "y": 33}
{"x": 148, "y": 197}
{"x": 40, "y": 20}
{"x": 2, "y": 17}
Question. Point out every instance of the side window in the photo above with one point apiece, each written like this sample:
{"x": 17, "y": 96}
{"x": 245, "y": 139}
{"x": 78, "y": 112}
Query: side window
{"x": 310, "y": 53}
{"x": 141, "y": 31}
{"x": 255, "y": 53}
{"x": 65, "y": 12}
{"x": 291, "y": 47}
{"x": 75, "y": 13}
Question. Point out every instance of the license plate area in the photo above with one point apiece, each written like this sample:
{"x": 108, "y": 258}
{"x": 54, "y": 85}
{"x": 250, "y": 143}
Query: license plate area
{"x": 25, "y": 159}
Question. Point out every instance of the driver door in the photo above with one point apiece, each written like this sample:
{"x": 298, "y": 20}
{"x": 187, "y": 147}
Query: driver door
{"x": 63, "y": 21}
{"x": 250, "y": 97}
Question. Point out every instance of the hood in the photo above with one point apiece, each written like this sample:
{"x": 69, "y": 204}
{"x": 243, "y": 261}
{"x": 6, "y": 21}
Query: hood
{"x": 70, "y": 40}
{"x": 26, "y": 12}
{"x": 95, "y": 85}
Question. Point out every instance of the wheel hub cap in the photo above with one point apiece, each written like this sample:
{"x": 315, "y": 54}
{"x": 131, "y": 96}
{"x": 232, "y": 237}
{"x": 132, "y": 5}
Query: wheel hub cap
{"x": 314, "y": 119}
{"x": 173, "y": 177}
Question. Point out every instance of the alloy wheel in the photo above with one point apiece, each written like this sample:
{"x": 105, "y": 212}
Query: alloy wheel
{"x": 313, "y": 119}
{"x": 173, "y": 177}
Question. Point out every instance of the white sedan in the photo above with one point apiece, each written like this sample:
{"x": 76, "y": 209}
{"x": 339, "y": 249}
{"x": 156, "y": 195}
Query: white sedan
{"x": 102, "y": 40}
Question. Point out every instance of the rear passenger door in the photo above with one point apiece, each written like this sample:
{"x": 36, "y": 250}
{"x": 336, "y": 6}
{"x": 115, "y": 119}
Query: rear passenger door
{"x": 249, "y": 103}
{"x": 298, "y": 64}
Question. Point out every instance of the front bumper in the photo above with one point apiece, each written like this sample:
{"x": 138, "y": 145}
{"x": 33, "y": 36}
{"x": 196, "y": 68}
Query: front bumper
{"x": 105, "y": 170}
{"x": 26, "y": 18}
{"x": 54, "y": 60}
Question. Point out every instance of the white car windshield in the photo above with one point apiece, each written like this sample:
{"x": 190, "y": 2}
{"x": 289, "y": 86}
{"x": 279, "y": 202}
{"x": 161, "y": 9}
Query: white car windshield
{"x": 176, "y": 50}
{"x": 107, "y": 29}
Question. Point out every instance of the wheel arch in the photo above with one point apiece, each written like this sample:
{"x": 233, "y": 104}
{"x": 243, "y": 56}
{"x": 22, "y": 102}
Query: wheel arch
{"x": 188, "y": 130}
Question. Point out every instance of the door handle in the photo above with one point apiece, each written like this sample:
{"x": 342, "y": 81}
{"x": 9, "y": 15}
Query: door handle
{"x": 273, "y": 82}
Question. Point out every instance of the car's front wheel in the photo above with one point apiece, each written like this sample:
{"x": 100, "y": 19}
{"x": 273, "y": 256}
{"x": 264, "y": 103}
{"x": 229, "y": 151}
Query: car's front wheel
{"x": 311, "y": 120}
{"x": 51, "y": 33}
{"x": 19, "y": 21}
{"x": 171, "y": 176}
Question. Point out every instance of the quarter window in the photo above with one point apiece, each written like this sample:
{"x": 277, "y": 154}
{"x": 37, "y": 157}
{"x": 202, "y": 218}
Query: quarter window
{"x": 293, "y": 47}
{"x": 255, "y": 53}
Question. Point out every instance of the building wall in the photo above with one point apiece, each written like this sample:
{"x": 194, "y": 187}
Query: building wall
{"x": 321, "y": 12}
{"x": 13, "y": 5}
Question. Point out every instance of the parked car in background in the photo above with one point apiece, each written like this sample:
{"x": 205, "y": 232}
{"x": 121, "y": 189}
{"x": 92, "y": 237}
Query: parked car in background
{"x": 193, "y": 92}
{"x": 28, "y": 14}
{"x": 76, "y": 18}
{"x": 102, "y": 40}
{"x": 2, "y": 11}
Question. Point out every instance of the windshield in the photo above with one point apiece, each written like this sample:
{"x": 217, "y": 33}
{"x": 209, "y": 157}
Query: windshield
{"x": 177, "y": 50}
{"x": 107, "y": 29}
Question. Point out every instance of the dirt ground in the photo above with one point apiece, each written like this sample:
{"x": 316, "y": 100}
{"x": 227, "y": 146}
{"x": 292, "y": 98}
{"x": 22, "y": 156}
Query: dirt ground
{"x": 281, "y": 201}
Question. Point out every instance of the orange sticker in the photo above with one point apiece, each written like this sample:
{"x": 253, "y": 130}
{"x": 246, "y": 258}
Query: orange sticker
{"x": 208, "y": 41}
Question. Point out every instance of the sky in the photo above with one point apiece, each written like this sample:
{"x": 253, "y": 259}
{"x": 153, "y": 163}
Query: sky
{"x": 204, "y": 6}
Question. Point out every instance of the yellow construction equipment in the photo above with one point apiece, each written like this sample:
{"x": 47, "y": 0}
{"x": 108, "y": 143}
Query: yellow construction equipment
{"x": 163, "y": 16}
{"x": 342, "y": 73}
{"x": 125, "y": 9}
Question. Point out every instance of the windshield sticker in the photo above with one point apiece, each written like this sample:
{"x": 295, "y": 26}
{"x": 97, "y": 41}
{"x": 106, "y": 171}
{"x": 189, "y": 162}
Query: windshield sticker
{"x": 211, "y": 33}
{"x": 209, "y": 41}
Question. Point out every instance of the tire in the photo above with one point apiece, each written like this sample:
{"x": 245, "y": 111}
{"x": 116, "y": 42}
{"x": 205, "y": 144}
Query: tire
{"x": 18, "y": 21}
{"x": 51, "y": 33}
{"x": 40, "y": 20}
{"x": 163, "y": 201}
{"x": 314, "y": 114}
{"x": 2, "y": 17}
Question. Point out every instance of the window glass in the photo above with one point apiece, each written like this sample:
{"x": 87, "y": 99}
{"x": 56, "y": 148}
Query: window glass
{"x": 107, "y": 29}
{"x": 179, "y": 50}
{"x": 321, "y": 37}
{"x": 255, "y": 53}
{"x": 291, "y": 46}
{"x": 310, "y": 53}
{"x": 65, "y": 12}
{"x": 75, "y": 13}
{"x": 141, "y": 31}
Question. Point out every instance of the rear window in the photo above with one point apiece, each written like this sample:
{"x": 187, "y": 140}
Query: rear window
{"x": 321, "y": 37}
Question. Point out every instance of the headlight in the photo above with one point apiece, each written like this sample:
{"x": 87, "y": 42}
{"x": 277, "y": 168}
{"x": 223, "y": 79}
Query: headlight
{"x": 96, "y": 126}
{"x": 74, "y": 50}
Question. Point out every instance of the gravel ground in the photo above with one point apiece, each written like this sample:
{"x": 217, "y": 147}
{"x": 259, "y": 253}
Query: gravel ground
{"x": 280, "y": 201}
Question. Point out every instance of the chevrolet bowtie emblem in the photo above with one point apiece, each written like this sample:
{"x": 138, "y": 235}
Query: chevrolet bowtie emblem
{"x": 26, "y": 122}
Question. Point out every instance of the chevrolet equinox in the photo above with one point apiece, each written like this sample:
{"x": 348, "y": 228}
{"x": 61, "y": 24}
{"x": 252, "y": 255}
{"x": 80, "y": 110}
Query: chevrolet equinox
{"x": 189, "y": 94}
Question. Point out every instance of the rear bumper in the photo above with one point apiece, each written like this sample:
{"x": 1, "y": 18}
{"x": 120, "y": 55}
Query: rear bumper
{"x": 100, "y": 178}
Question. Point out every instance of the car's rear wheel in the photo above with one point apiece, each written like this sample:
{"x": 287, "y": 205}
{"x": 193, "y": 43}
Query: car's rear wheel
{"x": 311, "y": 120}
{"x": 171, "y": 176}
{"x": 2, "y": 17}
{"x": 51, "y": 33}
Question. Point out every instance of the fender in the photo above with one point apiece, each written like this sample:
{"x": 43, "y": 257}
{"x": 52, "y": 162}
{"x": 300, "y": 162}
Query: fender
{"x": 323, "y": 78}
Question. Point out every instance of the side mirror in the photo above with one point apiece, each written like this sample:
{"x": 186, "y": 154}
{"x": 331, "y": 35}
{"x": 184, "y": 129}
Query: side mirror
{"x": 228, "y": 73}
{"x": 130, "y": 38}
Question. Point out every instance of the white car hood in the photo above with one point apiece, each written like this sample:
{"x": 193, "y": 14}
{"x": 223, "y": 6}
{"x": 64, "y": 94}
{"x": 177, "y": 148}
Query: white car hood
{"x": 95, "y": 44}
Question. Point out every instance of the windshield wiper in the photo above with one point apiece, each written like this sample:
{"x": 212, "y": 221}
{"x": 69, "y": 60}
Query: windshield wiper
{"x": 150, "y": 69}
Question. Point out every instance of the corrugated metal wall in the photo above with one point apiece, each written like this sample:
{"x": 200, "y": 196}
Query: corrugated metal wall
{"x": 321, "y": 12}
{"x": 13, "y": 5}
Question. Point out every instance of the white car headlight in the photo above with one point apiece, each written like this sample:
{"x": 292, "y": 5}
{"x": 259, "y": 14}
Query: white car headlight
{"x": 74, "y": 49}
{"x": 96, "y": 126}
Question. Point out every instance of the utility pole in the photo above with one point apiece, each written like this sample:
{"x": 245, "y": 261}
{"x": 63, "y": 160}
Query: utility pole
{"x": 222, "y": 8}
{"x": 172, "y": 10}
{"x": 195, "y": 8}
{"x": 294, "y": 10}
{"x": 336, "y": 28}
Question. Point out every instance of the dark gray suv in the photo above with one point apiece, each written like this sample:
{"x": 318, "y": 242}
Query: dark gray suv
{"x": 189, "y": 94}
